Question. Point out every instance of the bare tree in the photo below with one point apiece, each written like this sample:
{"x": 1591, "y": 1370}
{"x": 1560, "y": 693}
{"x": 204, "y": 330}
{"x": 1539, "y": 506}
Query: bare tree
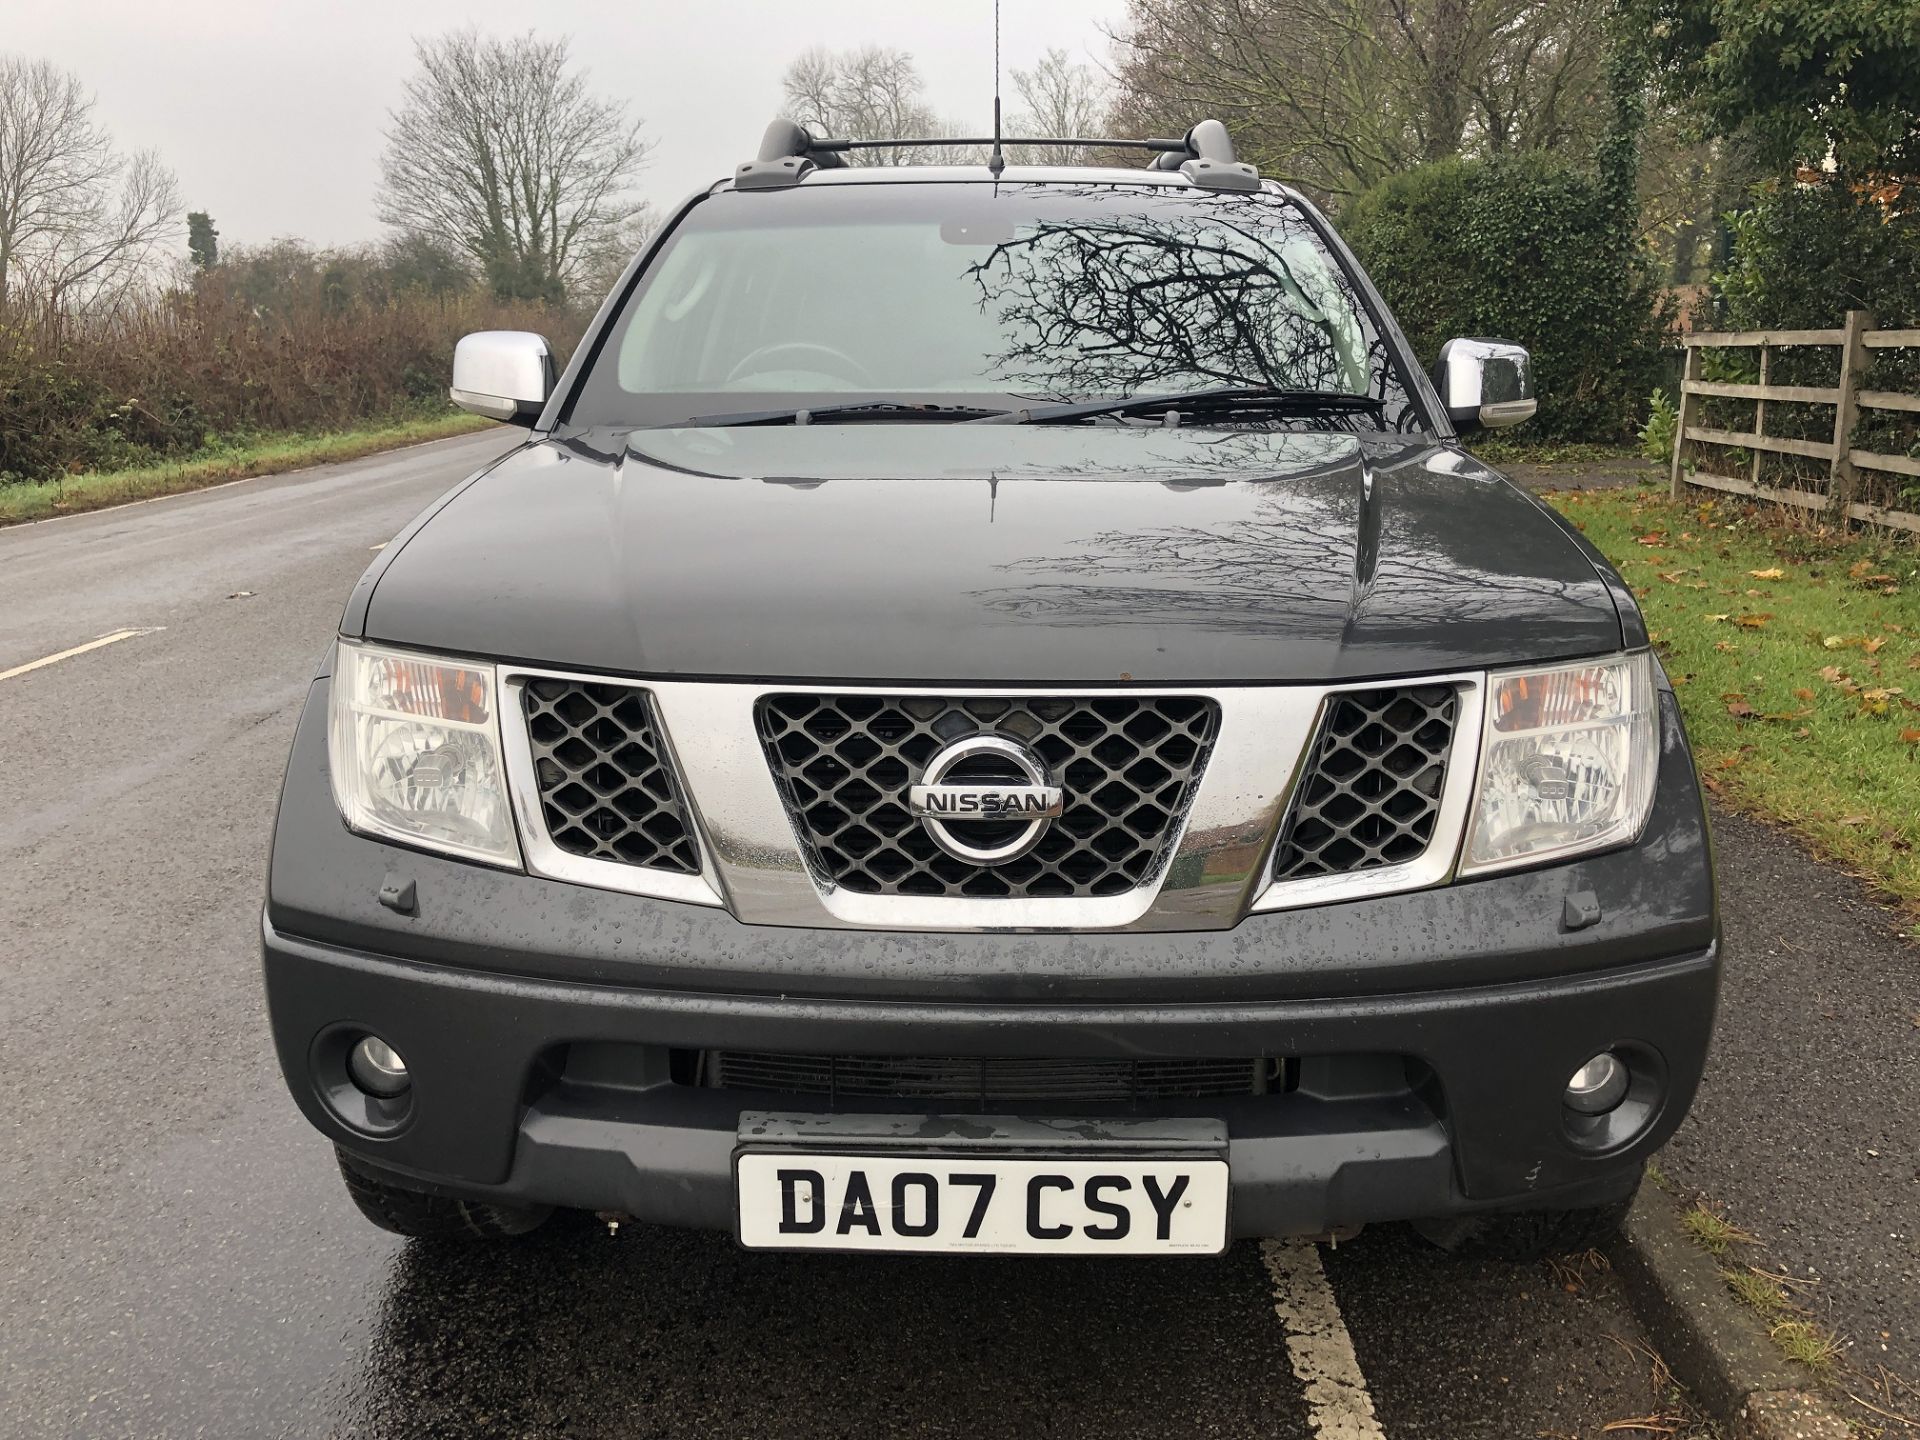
{"x": 872, "y": 93}
{"x": 1059, "y": 98}
{"x": 606, "y": 261}
{"x": 500, "y": 147}
{"x": 79, "y": 222}
{"x": 1337, "y": 94}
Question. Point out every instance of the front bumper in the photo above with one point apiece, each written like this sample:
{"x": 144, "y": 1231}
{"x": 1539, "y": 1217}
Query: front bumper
{"x": 1431, "y": 1033}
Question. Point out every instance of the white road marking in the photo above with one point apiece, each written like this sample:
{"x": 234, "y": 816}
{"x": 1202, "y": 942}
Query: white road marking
{"x": 115, "y": 638}
{"x": 1339, "y": 1406}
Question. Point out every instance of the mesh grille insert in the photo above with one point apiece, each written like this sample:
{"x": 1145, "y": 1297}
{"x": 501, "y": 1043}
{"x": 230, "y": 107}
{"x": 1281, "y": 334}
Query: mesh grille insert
{"x": 988, "y": 1081}
{"x": 1128, "y": 765}
{"x": 606, "y": 789}
{"x": 1370, "y": 793}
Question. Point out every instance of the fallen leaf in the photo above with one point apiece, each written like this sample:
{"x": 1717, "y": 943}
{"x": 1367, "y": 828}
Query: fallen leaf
{"x": 1755, "y": 622}
{"x": 1717, "y": 618}
{"x": 1910, "y": 737}
{"x": 1872, "y": 647}
{"x": 1741, "y": 710}
{"x": 1835, "y": 642}
{"x": 1652, "y": 537}
{"x": 1855, "y": 820}
{"x": 1803, "y": 694}
{"x": 1771, "y": 573}
{"x": 1726, "y": 646}
{"x": 1833, "y": 675}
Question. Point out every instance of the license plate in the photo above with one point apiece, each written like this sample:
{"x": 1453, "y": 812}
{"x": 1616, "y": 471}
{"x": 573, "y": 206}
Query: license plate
{"x": 1123, "y": 1205}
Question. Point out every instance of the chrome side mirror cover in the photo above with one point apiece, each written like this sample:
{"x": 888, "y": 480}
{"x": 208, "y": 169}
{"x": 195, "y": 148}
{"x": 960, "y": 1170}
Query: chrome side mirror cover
{"x": 503, "y": 375}
{"x": 1485, "y": 384}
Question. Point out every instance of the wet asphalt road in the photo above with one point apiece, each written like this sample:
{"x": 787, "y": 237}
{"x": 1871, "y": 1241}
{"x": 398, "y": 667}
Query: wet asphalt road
{"x": 1805, "y": 1129}
{"x": 177, "y": 1257}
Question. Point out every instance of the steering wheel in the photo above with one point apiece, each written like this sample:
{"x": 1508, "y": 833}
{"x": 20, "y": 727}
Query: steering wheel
{"x": 844, "y": 366}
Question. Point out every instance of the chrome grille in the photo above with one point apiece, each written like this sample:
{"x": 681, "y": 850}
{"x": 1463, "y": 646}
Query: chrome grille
{"x": 1128, "y": 764}
{"x": 607, "y": 791}
{"x": 999, "y": 1080}
{"x": 1370, "y": 793}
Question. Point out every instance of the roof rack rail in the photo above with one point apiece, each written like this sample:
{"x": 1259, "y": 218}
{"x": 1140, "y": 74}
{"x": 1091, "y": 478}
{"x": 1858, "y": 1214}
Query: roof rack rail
{"x": 788, "y": 154}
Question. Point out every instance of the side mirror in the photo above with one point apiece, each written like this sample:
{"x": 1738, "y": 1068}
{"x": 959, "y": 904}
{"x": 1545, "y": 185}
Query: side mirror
{"x": 502, "y": 374}
{"x": 1485, "y": 384}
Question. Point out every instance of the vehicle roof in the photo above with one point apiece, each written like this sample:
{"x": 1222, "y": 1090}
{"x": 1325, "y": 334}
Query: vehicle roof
{"x": 978, "y": 174}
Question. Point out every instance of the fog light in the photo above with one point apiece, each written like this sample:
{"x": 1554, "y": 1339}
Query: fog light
{"x": 377, "y": 1068}
{"x": 1596, "y": 1087}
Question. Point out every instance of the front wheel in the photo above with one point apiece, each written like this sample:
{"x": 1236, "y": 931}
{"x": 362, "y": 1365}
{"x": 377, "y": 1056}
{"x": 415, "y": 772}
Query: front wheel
{"x": 1522, "y": 1235}
{"x": 421, "y": 1216}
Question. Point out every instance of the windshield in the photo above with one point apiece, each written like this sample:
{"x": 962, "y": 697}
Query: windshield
{"x": 984, "y": 296}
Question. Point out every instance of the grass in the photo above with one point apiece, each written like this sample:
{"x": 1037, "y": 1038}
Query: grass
{"x": 266, "y": 456}
{"x": 1799, "y": 1338}
{"x": 1806, "y": 1342}
{"x": 1795, "y": 652}
{"x": 1714, "y": 1233}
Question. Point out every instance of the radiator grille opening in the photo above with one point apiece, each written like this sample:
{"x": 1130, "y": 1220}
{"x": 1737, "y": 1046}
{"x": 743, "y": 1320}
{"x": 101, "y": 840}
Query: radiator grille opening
{"x": 607, "y": 790}
{"x": 991, "y": 1080}
{"x": 1370, "y": 793}
{"x": 1129, "y": 766}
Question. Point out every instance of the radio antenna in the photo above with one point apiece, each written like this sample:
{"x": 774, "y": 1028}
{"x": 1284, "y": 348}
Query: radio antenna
{"x": 996, "y": 161}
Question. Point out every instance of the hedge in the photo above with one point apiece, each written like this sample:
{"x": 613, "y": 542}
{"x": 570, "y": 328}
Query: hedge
{"x": 1525, "y": 249}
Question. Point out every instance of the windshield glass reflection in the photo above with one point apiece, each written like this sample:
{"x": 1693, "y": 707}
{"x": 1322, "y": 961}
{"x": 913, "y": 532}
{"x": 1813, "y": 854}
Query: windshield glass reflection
{"x": 971, "y": 294}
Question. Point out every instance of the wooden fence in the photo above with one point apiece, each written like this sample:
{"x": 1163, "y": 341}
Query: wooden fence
{"x": 1848, "y": 398}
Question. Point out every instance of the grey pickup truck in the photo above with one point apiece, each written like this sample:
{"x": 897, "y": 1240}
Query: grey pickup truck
{"x": 992, "y": 712}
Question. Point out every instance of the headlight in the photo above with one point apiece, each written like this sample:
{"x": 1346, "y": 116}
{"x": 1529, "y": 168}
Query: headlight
{"x": 415, "y": 749}
{"x": 1567, "y": 762}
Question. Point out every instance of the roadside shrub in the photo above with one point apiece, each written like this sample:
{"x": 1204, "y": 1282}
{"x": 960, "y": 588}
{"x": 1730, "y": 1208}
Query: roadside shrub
{"x": 1804, "y": 255}
{"x": 285, "y": 339}
{"x": 1526, "y": 249}
{"x": 1663, "y": 419}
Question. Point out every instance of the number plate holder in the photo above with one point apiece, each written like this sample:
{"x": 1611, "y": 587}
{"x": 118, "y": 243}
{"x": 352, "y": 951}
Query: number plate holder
{"x": 1089, "y": 1179}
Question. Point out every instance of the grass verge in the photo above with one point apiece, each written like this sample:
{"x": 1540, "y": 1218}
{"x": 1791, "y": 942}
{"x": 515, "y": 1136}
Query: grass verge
{"x": 1796, "y": 655}
{"x": 99, "y": 489}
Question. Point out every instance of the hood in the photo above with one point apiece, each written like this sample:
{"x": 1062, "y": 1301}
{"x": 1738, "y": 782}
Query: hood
{"x": 994, "y": 554}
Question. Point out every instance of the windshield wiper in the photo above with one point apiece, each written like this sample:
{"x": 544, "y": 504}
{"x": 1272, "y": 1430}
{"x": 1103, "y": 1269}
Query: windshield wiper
{"x": 1226, "y": 398}
{"x": 867, "y": 410}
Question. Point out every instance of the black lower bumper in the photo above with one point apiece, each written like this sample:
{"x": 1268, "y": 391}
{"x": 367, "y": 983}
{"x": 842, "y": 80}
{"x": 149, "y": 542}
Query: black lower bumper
{"x": 1404, "y": 1106}
{"x": 1429, "y": 1036}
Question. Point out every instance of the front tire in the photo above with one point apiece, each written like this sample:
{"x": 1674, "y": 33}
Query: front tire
{"x": 1526, "y": 1235}
{"x": 420, "y": 1216}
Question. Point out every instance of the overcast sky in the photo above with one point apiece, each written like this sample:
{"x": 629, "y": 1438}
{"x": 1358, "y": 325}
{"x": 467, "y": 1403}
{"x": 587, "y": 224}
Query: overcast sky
{"x": 271, "y": 111}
